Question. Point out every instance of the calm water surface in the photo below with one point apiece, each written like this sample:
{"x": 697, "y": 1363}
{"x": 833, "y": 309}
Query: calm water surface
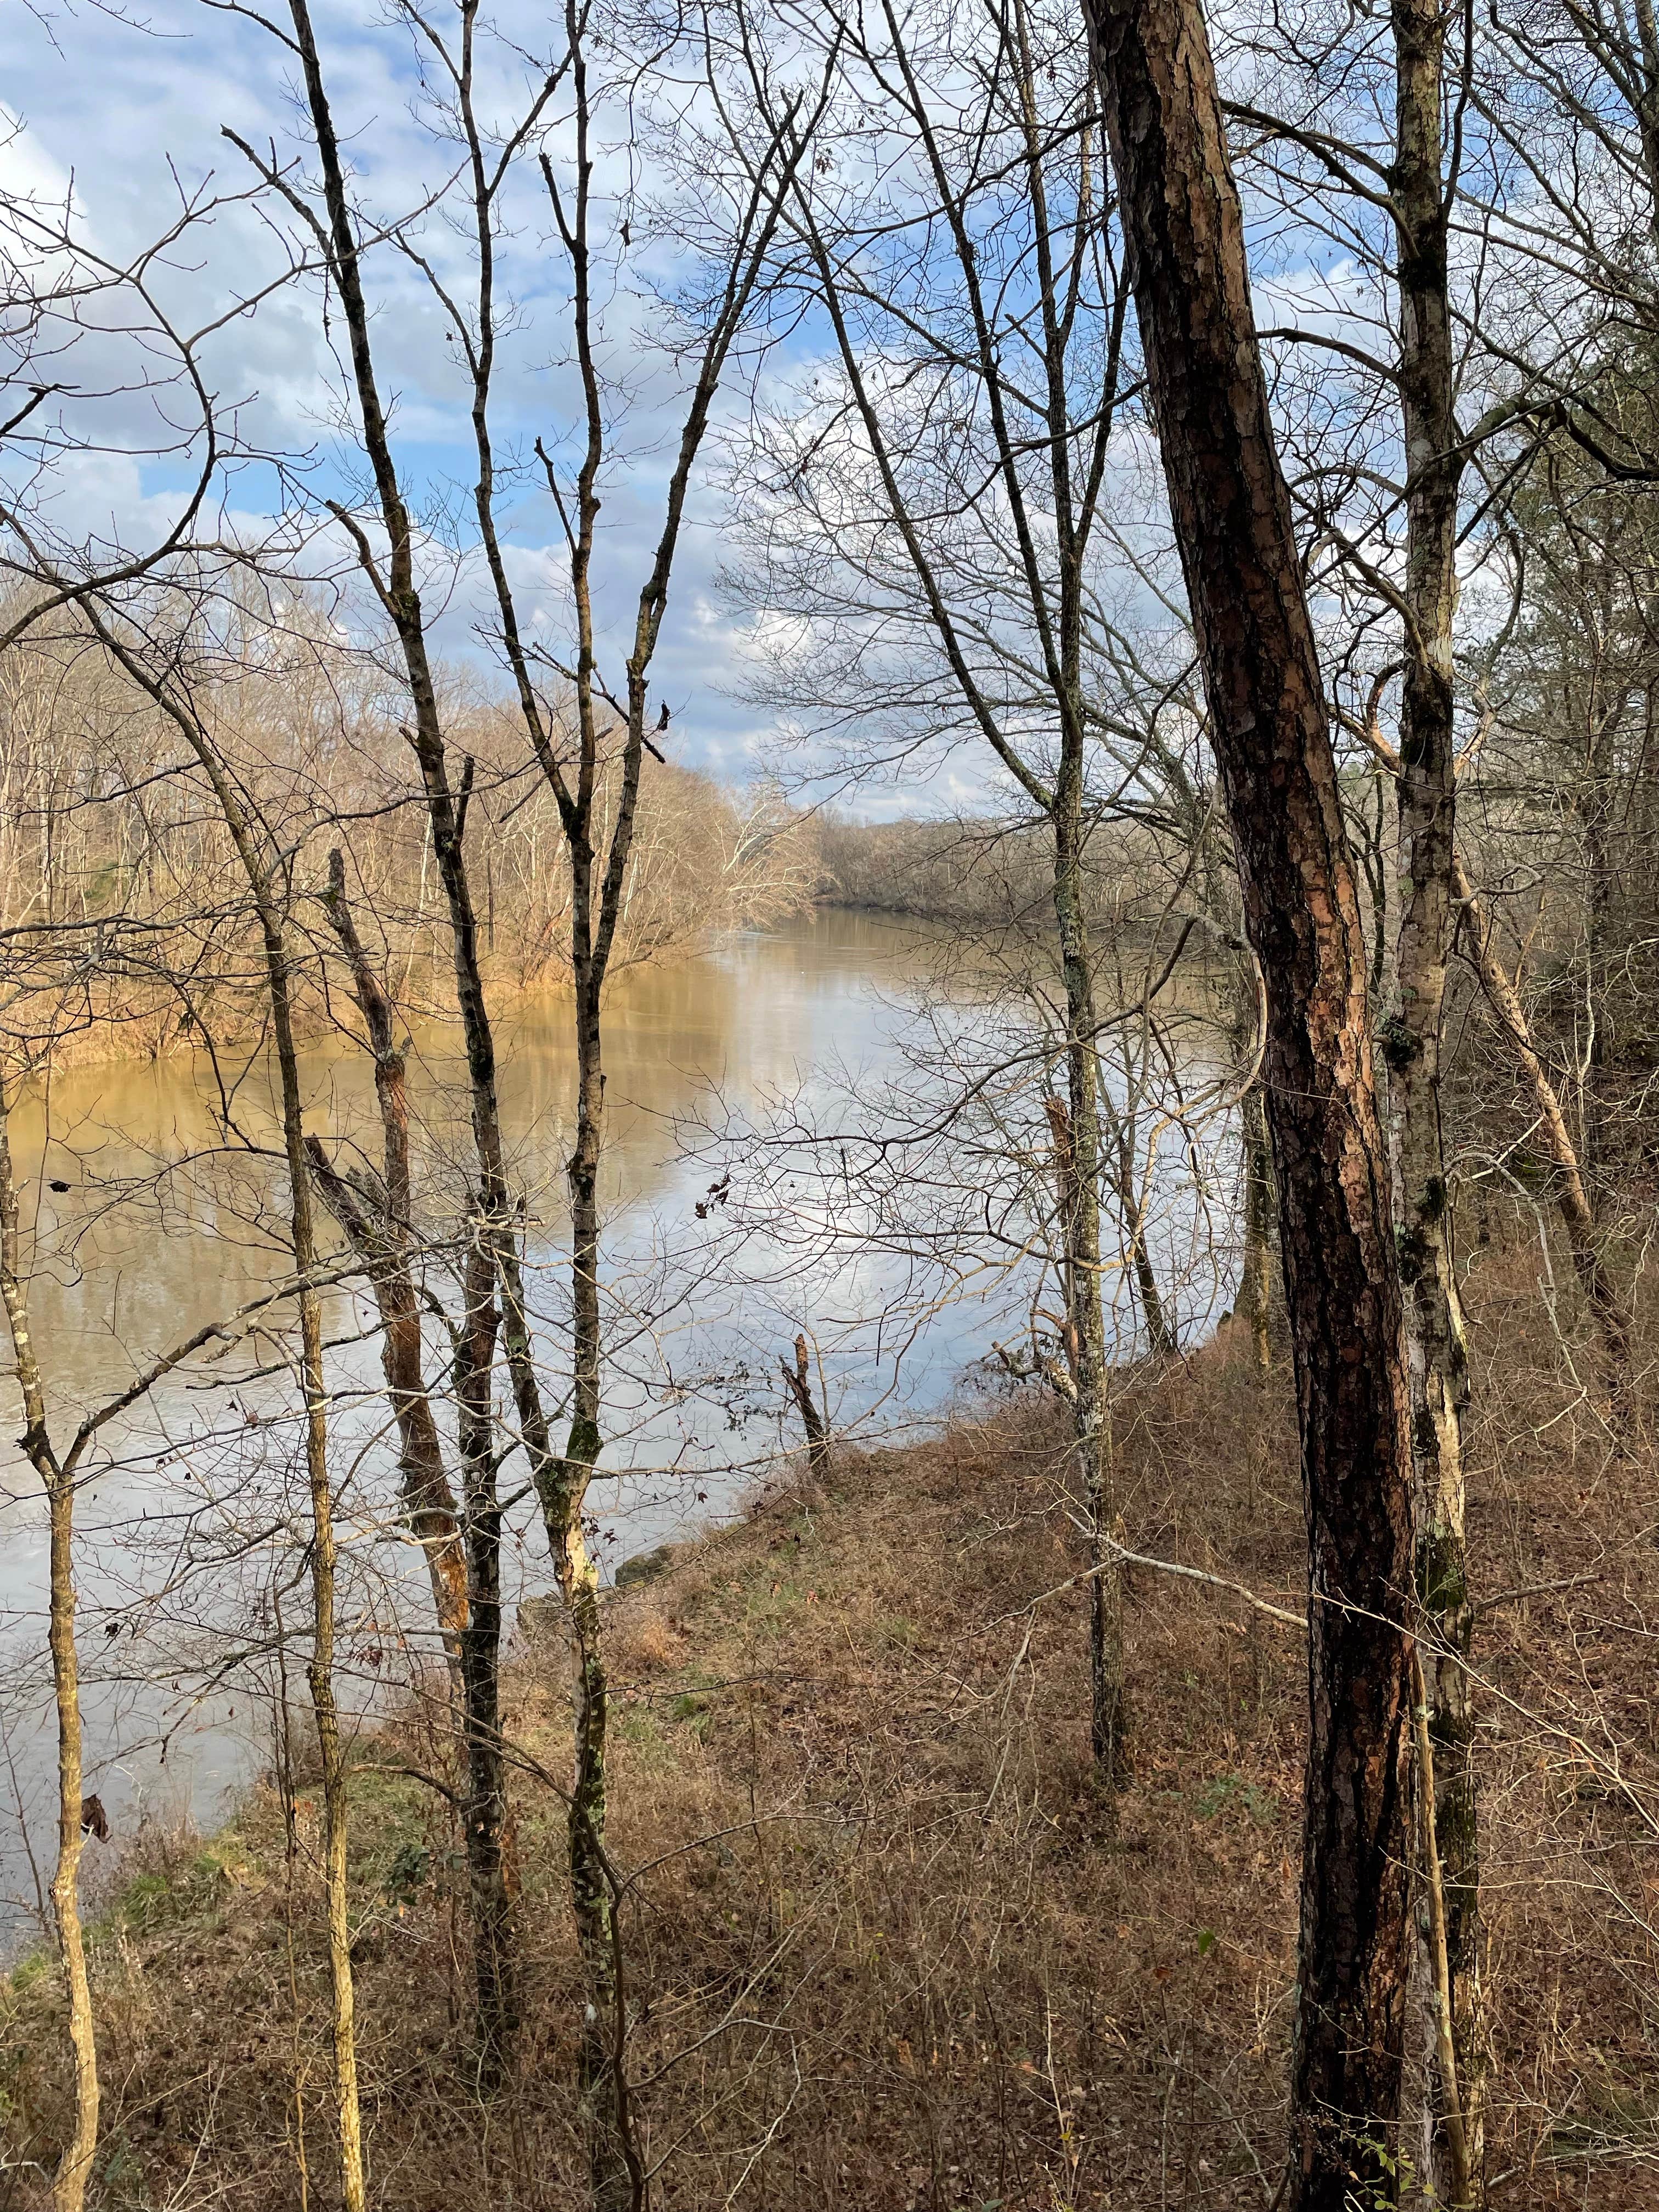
{"x": 189, "y": 1570}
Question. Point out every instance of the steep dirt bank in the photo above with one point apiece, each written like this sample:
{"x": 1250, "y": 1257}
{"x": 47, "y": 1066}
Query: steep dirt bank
{"x": 887, "y": 1945}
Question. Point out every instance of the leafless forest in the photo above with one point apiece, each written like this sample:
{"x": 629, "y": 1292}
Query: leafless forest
{"x": 514, "y": 515}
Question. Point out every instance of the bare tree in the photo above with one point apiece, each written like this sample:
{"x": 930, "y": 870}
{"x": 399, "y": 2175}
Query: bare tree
{"x": 598, "y": 853}
{"x": 941, "y": 515}
{"x": 1409, "y": 189}
{"x": 1269, "y": 727}
{"x": 58, "y": 1476}
{"x": 269, "y": 889}
{"x": 377, "y": 1217}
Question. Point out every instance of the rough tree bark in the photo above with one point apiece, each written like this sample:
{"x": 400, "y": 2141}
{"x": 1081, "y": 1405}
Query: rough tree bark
{"x": 1255, "y": 1291}
{"x": 1426, "y": 787}
{"x": 1232, "y": 518}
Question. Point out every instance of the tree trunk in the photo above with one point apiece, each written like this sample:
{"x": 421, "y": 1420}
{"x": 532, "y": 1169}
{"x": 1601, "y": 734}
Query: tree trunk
{"x": 798, "y": 1378}
{"x": 265, "y": 883}
{"x": 563, "y": 1497}
{"x": 69, "y": 2187}
{"x": 383, "y": 1235}
{"x": 320, "y": 1668}
{"x": 484, "y": 1810}
{"x": 1080, "y": 1180}
{"x": 1602, "y": 952}
{"x": 1607, "y": 1309}
{"x": 1412, "y": 1038}
{"x": 1160, "y": 1337}
{"x": 1232, "y": 520}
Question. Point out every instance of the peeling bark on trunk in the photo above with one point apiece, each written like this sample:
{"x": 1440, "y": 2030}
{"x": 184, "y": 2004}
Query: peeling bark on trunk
{"x": 1232, "y": 520}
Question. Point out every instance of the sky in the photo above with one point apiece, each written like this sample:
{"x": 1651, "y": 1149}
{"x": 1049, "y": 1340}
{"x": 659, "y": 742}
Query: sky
{"x": 124, "y": 119}
{"x": 119, "y": 110}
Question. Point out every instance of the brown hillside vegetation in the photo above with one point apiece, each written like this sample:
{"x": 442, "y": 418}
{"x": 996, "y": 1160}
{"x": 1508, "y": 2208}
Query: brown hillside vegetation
{"x": 886, "y": 1943}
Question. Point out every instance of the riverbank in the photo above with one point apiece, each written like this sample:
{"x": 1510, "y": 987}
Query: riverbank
{"x": 148, "y": 1227}
{"x": 132, "y": 937}
{"x": 888, "y": 1946}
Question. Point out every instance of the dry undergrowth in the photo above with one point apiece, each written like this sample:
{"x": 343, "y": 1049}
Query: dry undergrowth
{"x": 889, "y": 1947}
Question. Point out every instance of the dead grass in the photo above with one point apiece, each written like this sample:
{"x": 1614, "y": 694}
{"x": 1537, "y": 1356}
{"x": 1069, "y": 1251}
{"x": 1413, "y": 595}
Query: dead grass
{"x": 888, "y": 1946}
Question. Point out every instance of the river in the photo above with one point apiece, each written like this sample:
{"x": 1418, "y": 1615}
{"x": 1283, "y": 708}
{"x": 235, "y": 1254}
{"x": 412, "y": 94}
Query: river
{"x": 149, "y": 1220}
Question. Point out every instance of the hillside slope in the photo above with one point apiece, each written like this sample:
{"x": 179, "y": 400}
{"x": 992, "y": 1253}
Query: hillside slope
{"x": 886, "y": 1944}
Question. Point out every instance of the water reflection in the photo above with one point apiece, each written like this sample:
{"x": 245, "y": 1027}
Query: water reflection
{"x": 148, "y": 1221}
{"x": 190, "y": 1563}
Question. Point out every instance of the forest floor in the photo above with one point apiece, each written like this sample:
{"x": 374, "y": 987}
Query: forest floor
{"x": 889, "y": 1945}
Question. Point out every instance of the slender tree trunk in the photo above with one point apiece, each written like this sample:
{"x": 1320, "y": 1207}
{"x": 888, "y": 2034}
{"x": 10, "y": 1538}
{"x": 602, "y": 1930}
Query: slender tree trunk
{"x": 1607, "y": 1307}
{"x": 262, "y": 885}
{"x": 319, "y": 1667}
{"x": 562, "y": 1495}
{"x": 1108, "y": 1713}
{"x": 447, "y": 813}
{"x": 319, "y": 1674}
{"x": 428, "y": 1501}
{"x": 378, "y": 1226}
{"x": 1601, "y": 955}
{"x": 495, "y": 1950}
{"x": 494, "y": 1266}
{"x": 69, "y": 2187}
{"x": 564, "y": 1479}
{"x": 320, "y": 1670}
{"x": 1160, "y": 1337}
{"x": 1451, "y": 2148}
{"x": 1411, "y": 1036}
{"x": 1232, "y": 518}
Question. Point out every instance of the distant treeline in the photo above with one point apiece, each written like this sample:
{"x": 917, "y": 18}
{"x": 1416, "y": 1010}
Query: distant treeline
{"x": 978, "y": 872}
{"x": 125, "y": 921}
